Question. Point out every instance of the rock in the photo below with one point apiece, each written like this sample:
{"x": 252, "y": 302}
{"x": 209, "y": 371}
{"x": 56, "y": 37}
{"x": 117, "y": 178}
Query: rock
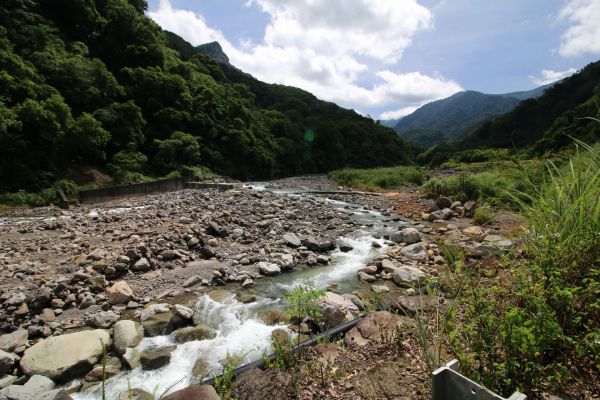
{"x": 443, "y": 202}
{"x": 498, "y": 241}
{"x": 65, "y": 357}
{"x": 355, "y": 299}
{"x": 97, "y": 254}
{"x": 7, "y": 360}
{"x": 183, "y": 311}
{"x": 311, "y": 243}
{"x": 200, "y": 369}
{"x": 119, "y": 293}
{"x": 408, "y": 276}
{"x": 474, "y": 232}
{"x": 16, "y": 299}
{"x": 444, "y": 214}
{"x": 192, "y": 333}
{"x": 336, "y": 309}
{"x": 247, "y": 283}
{"x": 346, "y": 248}
{"x": 48, "y": 315}
{"x": 412, "y": 305}
{"x": 132, "y": 358}
{"x": 156, "y": 319}
{"x": 135, "y": 394}
{"x": 377, "y": 326}
{"x": 380, "y": 289}
{"x": 415, "y": 252}
{"x": 194, "y": 392}
{"x": 407, "y": 235}
{"x": 127, "y": 334}
{"x": 103, "y": 319}
{"x": 16, "y": 339}
{"x": 7, "y": 380}
{"x": 255, "y": 384}
{"x": 388, "y": 266}
{"x": 280, "y": 336}
{"x": 18, "y": 392}
{"x": 192, "y": 281}
{"x": 268, "y": 269}
{"x": 170, "y": 255}
{"x": 141, "y": 265}
{"x": 363, "y": 276}
{"x": 470, "y": 207}
{"x": 154, "y": 359}
{"x": 39, "y": 383}
{"x": 375, "y": 245}
{"x": 321, "y": 259}
{"x": 292, "y": 240}
{"x": 272, "y": 316}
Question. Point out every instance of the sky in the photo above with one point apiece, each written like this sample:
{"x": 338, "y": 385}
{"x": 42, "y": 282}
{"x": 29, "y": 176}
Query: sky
{"x": 385, "y": 58}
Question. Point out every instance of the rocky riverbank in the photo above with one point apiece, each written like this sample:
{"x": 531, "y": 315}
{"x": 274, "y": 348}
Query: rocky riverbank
{"x": 97, "y": 279}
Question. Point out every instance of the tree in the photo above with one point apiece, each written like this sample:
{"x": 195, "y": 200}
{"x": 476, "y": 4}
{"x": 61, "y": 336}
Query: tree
{"x": 181, "y": 149}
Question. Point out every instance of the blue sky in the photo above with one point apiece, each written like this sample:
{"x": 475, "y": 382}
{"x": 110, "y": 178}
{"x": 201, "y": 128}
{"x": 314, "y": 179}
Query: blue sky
{"x": 387, "y": 57}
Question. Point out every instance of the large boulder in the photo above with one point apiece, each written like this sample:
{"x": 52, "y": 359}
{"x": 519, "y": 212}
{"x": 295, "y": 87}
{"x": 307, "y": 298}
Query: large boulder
{"x": 156, "y": 319}
{"x": 444, "y": 214}
{"x": 18, "y": 392}
{"x": 377, "y": 326}
{"x": 127, "y": 334}
{"x": 443, "y": 202}
{"x": 194, "y": 392}
{"x": 65, "y": 357}
{"x": 119, "y": 293}
{"x": 415, "y": 252}
{"x": 412, "y": 305}
{"x": 7, "y": 360}
{"x": 336, "y": 309}
{"x": 408, "y": 276}
{"x": 154, "y": 359}
{"x": 191, "y": 333}
{"x": 407, "y": 235}
{"x": 268, "y": 269}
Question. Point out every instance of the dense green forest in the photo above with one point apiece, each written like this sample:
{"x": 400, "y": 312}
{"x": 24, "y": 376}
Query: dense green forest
{"x": 97, "y": 83}
{"x": 538, "y": 125}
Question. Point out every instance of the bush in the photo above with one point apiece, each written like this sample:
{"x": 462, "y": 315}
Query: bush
{"x": 302, "y": 302}
{"x": 378, "y": 179}
{"x": 483, "y": 216}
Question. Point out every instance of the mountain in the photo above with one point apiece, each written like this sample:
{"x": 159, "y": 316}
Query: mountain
{"x": 455, "y": 116}
{"x": 214, "y": 50}
{"x": 524, "y": 95}
{"x": 390, "y": 123}
{"x": 96, "y": 83}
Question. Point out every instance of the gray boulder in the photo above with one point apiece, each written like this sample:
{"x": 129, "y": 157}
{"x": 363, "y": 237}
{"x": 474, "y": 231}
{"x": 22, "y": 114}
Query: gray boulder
{"x": 291, "y": 239}
{"x": 65, "y": 357}
{"x": 444, "y": 214}
{"x": 407, "y": 276}
{"x": 154, "y": 359}
{"x": 127, "y": 334}
{"x": 7, "y": 361}
{"x": 14, "y": 340}
{"x": 268, "y": 269}
{"x": 415, "y": 252}
{"x": 407, "y": 235}
{"x": 17, "y": 392}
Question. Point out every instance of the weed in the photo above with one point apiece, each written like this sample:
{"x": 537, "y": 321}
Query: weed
{"x": 224, "y": 383}
{"x": 303, "y": 303}
{"x": 483, "y": 215}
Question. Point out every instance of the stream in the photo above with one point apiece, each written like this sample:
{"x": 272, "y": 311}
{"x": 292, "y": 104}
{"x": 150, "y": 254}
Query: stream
{"x": 239, "y": 330}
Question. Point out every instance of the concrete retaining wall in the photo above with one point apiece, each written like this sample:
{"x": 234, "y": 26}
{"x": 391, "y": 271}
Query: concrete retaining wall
{"x": 136, "y": 189}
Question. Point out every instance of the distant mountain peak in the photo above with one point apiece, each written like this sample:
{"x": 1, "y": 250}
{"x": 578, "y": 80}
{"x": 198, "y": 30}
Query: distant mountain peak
{"x": 214, "y": 50}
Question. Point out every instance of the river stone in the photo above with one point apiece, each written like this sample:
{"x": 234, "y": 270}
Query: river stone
{"x": 411, "y": 305}
{"x": 203, "y": 392}
{"x": 407, "y": 235}
{"x": 65, "y": 357}
{"x": 135, "y": 394}
{"x": 444, "y": 214}
{"x": 132, "y": 357}
{"x": 415, "y": 252}
{"x": 377, "y": 326}
{"x": 156, "y": 319}
{"x": 40, "y": 383}
{"x": 268, "y": 268}
{"x": 154, "y": 359}
{"x": 498, "y": 241}
{"x": 336, "y": 309}
{"x": 14, "y": 340}
{"x": 363, "y": 276}
{"x": 311, "y": 243}
{"x": 18, "y": 392}
{"x": 141, "y": 265}
{"x": 388, "y": 266}
{"x": 407, "y": 276}
{"x": 103, "y": 319}
{"x": 443, "y": 202}
{"x": 291, "y": 239}
{"x": 7, "y": 360}
{"x": 474, "y": 232}
{"x": 119, "y": 293}
{"x": 127, "y": 334}
{"x": 7, "y": 380}
{"x": 198, "y": 332}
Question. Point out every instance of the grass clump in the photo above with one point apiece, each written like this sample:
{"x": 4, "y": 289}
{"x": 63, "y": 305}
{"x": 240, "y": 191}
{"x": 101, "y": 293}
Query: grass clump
{"x": 537, "y": 324}
{"x": 483, "y": 216}
{"x": 378, "y": 179}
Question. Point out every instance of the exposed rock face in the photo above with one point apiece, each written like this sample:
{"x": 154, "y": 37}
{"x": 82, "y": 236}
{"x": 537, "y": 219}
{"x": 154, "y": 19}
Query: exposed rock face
{"x": 214, "y": 50}
{"x": 195, "y": 392}
{"x": 65, "y": 357}
{"x": 407, "y": 235}
{"x": 127, "y": 334}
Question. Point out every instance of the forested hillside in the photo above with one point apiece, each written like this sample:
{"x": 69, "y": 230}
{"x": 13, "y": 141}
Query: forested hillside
{"x": 94, "y": 83}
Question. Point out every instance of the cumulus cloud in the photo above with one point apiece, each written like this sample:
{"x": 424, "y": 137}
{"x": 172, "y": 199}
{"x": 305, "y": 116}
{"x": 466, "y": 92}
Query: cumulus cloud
{"x": 549, "y": 76}
{"x": 316, "y": 45}
{"x": 397, "y": 114}
{"x": 583, "y": 36}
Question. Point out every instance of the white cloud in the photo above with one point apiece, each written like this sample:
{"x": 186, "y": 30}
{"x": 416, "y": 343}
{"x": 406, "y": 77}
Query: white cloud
{"x": 315, "y": 45}
{"x": 397, "y": 114}
{"x": 549, "y": 76}
{"x": 584, "y": 35}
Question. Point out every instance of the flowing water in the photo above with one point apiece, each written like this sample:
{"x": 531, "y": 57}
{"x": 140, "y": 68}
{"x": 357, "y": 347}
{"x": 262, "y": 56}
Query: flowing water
{"x": 239, "y": 330}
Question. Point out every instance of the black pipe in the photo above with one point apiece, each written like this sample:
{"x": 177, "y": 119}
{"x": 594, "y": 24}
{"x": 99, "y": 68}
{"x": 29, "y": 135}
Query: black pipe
{"x": 342, "y": 328}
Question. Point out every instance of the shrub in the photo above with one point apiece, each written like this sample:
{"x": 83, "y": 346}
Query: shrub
{"x": 303, "y": 301}
{"x": 378, "y": 179}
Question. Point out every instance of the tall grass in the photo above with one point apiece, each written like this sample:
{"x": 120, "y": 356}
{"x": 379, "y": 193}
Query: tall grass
{"x": 538, "y": 323}
{"x": 378, "y": 179}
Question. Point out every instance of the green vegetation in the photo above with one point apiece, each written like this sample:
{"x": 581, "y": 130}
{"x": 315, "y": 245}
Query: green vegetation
{"x": 378, "y": 179}
{"x": 500, "y": 184}
{"x": 538, "y": 323}
{"x": 303, "y": 302}
{"x": 96, "y": 83}
{"x": 224, "y": 383}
